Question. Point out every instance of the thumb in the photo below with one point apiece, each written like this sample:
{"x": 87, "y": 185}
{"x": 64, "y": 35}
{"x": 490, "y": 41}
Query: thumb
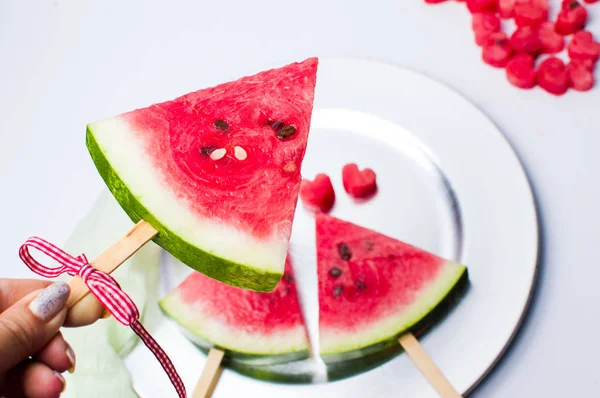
{"x": 29, "y": 324}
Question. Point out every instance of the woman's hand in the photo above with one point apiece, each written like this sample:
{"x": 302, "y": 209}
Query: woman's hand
{"x": 33, "y": 353}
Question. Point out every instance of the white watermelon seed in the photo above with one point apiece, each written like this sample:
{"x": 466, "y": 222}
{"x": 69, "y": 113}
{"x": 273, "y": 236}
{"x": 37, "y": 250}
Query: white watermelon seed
{"x": 240, "y": 153}
{"x": 218, "y": 154}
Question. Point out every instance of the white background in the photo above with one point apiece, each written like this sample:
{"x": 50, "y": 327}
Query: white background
{"x": 66, "y": 63}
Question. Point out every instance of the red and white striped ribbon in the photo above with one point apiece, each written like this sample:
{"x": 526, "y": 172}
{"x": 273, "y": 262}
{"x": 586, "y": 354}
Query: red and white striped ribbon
{"x": 107, "y": 291}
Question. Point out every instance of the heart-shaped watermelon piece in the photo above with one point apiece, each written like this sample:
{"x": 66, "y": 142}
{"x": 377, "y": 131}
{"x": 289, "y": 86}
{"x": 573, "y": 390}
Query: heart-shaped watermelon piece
{"x": 552, "y": 76}
{"x": 520, "y": 71}
{"x": 583, "y": 47}
{"x": 359, "y": 183}
{"x": 571, "y": 18}
{"x": 551, "y": 41}
{"x": 318, "y": 195}
{"x": 581, "y": 76}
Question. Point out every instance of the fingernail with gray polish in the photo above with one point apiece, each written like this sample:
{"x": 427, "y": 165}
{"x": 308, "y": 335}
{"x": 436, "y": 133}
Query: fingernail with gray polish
{"x": 62, "y": 380}
{"x": 71, "y": 357}
{"x": 50, "y": 301}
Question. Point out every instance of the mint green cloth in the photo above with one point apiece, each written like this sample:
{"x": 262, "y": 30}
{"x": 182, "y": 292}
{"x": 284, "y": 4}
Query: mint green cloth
{"x": 100, "y": 348}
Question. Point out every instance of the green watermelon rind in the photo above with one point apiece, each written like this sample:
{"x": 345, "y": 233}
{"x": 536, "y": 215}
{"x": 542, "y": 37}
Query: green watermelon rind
{"x": 240, "y": 275}
{"x": 451, "y": 286}
{"x": 287, "y": 374}
{"x": 270, "y": 373}
{"x": 250, "y": 359}
{"x": 241, "y": 359}
{"x": 171, "y": 307}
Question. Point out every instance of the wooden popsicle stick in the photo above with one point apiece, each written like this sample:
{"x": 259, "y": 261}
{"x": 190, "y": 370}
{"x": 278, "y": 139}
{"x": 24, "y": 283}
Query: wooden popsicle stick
{"x": 113, "y": 257}
{"x": 210, "y": 374}
{"x": 424, "y": 363}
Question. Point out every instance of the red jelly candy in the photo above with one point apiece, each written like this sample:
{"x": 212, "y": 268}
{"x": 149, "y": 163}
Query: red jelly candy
{"x": 484, "y": 24}
{"x": 358, "y": 184}
{"x": 497, "y": 51}
{"x": 530, "y": 13}
{"x": 317, "y": 195}
{"x": 506, "y": 8}
{"x": 551, "y": 41}
{"x": 482, "y": 5}
{"x": 526, "y": 40}
{"x": 583, "y": 47}
{"x": 571, "y": 18}
{"x": 520, "y": 71}
{"x": 581, "y": 78}
{"x": 552, "y": 76}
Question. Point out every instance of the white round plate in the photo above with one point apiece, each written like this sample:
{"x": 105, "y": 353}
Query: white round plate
{"x": 449, "y": 182}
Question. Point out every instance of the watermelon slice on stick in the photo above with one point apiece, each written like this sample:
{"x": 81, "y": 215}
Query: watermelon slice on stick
{"x": 252, "y": 328}
{"x": 212, "y": 176}
{"x": 215, "y": 172}
{"x": 390, "y": 288}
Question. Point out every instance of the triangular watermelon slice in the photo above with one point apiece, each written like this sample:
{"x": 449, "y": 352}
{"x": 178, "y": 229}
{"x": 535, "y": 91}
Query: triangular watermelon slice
{"x": 216, "y": 171}
{"x": 252, "y": 327}
{"x": 373, "y": 288}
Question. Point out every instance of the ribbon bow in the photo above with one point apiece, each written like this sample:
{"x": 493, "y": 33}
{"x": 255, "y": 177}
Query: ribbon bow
{"x": 107, "y": 291}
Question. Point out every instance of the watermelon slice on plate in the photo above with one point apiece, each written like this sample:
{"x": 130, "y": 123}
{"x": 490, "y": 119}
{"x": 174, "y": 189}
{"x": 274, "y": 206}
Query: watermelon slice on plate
{"x": 373, "y": 288}
{"x": 251, "y": 327}
{"x": 216, "y": 171}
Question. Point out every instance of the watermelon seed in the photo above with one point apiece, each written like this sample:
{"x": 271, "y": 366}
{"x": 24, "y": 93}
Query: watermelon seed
{"x": 278, "y": 125}
{"x": 344, "y": 251}
{"x": 335, "y": 272}
{"x": 206, "y": 150}
{"x": 289, "y": 167}
{"x": 360, "y": 285}
{"x": 338, "y": 290}
{"x": 240, "y": 153}
{"x": 573, "y": 4}
{"x": 218, "y": 154}
{"x": 288, "y": 278}
{"x": 221, "y": 125}
{"x": 286, "y": 132}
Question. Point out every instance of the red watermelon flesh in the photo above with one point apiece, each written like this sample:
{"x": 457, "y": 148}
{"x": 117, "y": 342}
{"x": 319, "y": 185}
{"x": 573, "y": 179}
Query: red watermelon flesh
{"x": 373, "y": 288}
{"x": 252, "y": 327}
{"x": 216, "y": 171}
